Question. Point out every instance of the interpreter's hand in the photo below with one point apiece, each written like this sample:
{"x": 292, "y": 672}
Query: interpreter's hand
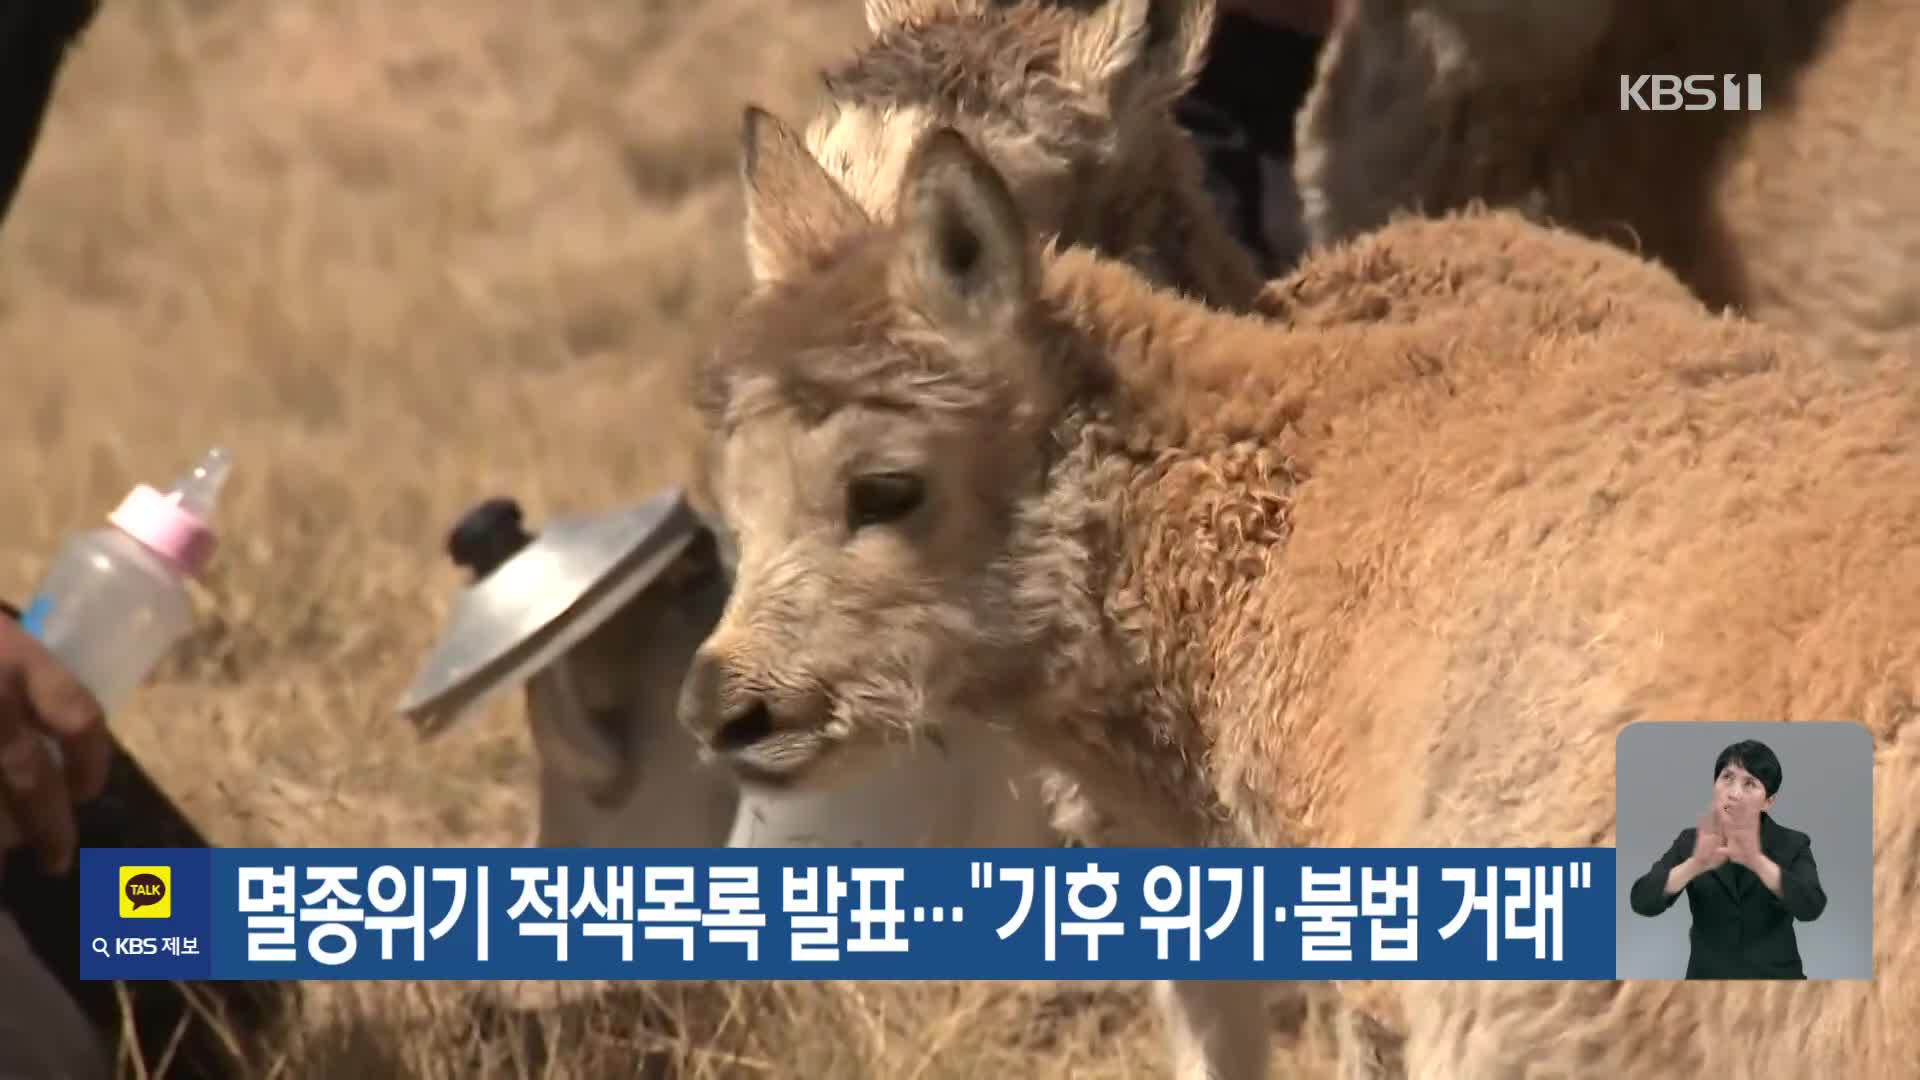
{"x": 40, "y": 698}
{"x": 1709, "y": 846}
{"x": 1741, "y": 826}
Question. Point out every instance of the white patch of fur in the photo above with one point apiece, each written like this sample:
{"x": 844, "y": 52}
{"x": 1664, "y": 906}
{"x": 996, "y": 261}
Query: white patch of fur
{"x": 866, "y": 148}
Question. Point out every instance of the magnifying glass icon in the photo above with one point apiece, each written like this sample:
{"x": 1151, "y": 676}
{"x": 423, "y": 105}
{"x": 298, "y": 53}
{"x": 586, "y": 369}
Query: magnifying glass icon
{"x": 100, "y": 946}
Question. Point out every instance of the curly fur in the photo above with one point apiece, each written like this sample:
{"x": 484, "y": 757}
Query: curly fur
{"x": 1346, "y": 584}
{"x": 1802, "y": 214}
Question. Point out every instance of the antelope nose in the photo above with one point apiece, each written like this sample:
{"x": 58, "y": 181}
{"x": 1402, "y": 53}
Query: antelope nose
{"x": 746, "y": 723}
{"x": 720, "y": 711}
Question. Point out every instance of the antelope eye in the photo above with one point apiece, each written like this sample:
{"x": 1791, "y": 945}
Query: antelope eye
{"x": 878, "y": 498}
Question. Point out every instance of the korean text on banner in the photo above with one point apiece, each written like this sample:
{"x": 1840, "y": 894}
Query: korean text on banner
{"x": 872, "y": 913}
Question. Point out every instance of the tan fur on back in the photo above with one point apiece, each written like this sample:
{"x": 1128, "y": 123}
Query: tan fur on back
{"x": 1692, "y": 519}
{"x": 1804, "y": 213}
{"x": 1428, "y": 268}
{"x": 1356, "y": 584}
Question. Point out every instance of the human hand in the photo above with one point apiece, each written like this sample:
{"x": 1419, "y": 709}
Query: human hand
{"x": 1741, "y": 829}
{"x": 1709, "y": 845}
{"x": 41, "y": 700}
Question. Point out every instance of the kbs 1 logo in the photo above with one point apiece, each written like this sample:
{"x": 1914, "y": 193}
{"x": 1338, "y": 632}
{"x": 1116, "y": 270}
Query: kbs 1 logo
{"x": 146, "y": 892}
{"x": 1692, "y": 93}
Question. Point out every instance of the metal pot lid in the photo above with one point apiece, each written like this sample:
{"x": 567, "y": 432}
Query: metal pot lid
{"x": 534, "y": 597}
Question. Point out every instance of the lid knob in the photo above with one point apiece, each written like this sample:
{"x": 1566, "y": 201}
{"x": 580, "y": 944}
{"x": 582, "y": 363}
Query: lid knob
{"x": 488, "y": 535}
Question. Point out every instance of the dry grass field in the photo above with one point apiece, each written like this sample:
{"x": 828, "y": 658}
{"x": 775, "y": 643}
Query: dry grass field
{"x": 397, "y": 255}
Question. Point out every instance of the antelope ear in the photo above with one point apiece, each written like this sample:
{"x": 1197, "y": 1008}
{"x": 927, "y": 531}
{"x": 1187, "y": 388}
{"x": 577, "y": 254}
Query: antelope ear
{"x": 1140, "y": 52}
{"x": 796, "y": 212}
{"x": 965, "y": 261}
{"x": 884, "y": 15}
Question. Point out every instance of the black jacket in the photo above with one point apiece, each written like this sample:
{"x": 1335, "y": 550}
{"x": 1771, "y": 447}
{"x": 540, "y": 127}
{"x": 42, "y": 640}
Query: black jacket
{"x": 34, "y": 38}
{"x": 1741, "y": 930}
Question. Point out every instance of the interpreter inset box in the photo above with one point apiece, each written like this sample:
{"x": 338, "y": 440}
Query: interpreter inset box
{"x": 1745, "y": 850}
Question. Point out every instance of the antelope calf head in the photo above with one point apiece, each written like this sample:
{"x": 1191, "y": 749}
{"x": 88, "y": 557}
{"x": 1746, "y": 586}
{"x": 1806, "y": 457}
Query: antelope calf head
{"x": 880, "y": 414}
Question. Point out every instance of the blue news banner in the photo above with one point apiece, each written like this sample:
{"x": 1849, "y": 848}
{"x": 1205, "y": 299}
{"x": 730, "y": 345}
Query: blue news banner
{"x": 831, "y": 913}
